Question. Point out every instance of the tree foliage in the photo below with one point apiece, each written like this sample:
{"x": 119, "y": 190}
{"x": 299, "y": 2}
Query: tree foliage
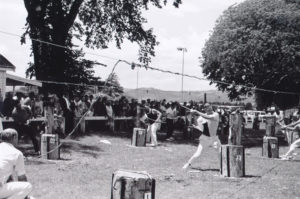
{"x": 96, "y": 22}
{"x": 256, "y": 44}
{"x": 114, "y": 88}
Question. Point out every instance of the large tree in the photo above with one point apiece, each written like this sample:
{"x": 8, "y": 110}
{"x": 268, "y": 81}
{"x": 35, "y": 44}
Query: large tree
{"x": 256, "y": 44}
{"x": 96, "y": 22}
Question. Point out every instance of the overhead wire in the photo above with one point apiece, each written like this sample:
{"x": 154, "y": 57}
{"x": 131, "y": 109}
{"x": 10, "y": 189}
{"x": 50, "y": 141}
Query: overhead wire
{"x": 133, "y": 65}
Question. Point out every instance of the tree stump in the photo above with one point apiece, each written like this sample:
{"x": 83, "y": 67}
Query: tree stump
{"x": 132, "y": 185}
{"x": 232, "y": 161}
{"x": 49, "y": 113}
{"x": 138, "y": 137}
{"x": 270, "y": 125}
{"x": 270, "y": 147}
{"x": 50, "y": 146}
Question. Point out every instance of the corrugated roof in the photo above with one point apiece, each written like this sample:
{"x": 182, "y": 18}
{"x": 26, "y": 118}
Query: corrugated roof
{"x": 5, "y": 64}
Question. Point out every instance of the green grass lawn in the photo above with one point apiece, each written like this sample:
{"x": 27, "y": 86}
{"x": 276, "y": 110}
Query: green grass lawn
{"x": 87, "y": 164}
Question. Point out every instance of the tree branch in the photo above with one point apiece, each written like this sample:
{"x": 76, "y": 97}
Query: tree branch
{"x": 70, "y": 18}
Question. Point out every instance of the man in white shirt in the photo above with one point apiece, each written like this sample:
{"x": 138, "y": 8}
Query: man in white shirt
{"x": 211, "y": 119}
{"x": 12, "y": 162}
{"x": 171, "y": 114}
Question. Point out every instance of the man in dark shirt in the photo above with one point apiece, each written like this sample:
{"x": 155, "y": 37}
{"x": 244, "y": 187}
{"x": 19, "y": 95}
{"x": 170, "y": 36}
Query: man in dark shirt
{"x": 21, "y": 115}
{"x": 8, "y": 105}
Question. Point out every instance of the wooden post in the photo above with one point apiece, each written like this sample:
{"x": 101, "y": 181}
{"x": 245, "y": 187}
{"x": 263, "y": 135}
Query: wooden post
{"x": 270, "y": 147}
{"x": 82, "y": 125}
{"x": 138, "y": 116}
{"x": 232, "y": 156}
{"x": 138, "y": 137}
{"x": 270, "y": 125}
{"x": 232, "y": 161}
{"x": 50, "y": 146}
{"x": 235, "y": 129}
{"x": 50, "y": 119}
{"x": 132, "y": 185}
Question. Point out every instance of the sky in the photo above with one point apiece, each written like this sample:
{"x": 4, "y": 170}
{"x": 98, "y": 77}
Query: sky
{"x": 188, "y": 26}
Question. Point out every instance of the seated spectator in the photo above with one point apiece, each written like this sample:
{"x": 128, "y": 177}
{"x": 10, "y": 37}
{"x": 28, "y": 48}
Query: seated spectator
{"x": 12, "y": 162}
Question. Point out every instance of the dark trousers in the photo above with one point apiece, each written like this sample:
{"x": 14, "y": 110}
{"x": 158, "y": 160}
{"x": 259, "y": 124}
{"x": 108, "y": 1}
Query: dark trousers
{"x": 30, "y": 131}
{"x": 69, "y": 121}
{"x": 170, "y": 127}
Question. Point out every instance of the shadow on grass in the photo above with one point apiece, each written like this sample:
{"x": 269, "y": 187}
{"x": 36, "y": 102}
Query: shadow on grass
{"x": 90, "y": 150}
{"x": 251, "y": 176}
{"x": 201, "y": 169}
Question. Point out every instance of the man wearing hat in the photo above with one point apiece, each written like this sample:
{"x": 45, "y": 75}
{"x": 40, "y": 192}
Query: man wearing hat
{"x": 12, "y": 162}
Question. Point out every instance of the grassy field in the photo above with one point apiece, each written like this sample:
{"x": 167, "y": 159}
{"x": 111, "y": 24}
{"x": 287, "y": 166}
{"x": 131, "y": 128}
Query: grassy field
{"x": 87, "y": 164}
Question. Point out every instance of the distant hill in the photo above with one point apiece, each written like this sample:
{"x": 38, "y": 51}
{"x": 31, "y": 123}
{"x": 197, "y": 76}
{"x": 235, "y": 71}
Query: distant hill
{"x": 152, "y": 93}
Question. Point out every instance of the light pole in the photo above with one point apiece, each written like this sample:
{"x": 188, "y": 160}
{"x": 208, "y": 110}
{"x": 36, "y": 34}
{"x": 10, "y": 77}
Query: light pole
{"x": 137, "y": 83}
{"x": 183, "y": 51}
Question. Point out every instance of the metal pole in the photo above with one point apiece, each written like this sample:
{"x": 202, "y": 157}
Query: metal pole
{"x": 137, "y": 84}
{"x": 182, "y": 75}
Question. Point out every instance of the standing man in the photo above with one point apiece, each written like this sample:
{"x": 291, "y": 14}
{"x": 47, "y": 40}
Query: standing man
{"x": 295, "y": 126}
{"x": 153, "y": 117}
{"x": 21, "y": 115}
{"x": 171, "y": 114}
{"x": 12, "y": 162}
{"x": 209, "y": 123}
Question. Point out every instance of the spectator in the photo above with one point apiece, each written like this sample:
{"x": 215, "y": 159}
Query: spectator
{"x": 30, "y": 101}
{"x": 21, "y": 114}
{"x": 99, "y": 107}
{"x": 12, "y": 161}
{"x": 171, "y": 114}
{"x": 8, "y": 105}
{"x": 67, "y": 112}
{"x": 110, "y": 114}
{"x": 38, "y": 106}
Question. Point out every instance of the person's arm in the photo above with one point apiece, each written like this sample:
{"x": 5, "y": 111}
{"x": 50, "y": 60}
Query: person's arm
{"x": 158, "y": 114}
{"x": 291, "y": 124}
{"x": 204, "y": 115}
{"x": 20, "y": 168}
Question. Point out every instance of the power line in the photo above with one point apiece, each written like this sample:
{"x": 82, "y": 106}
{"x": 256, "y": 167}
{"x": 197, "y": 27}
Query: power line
{"x": 133, "y": 65}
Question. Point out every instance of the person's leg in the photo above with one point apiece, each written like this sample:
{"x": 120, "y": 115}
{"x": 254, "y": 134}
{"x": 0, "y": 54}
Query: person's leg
{"x": 170, "y": 128}
{"x": 292, "y": 148}
{"x": 195, "y": 155}
{"x": 31, "y": 132}
{"x": 153, "y": 134}
{"x": 15, "y": 190}
{"x": 168, "y": 124}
